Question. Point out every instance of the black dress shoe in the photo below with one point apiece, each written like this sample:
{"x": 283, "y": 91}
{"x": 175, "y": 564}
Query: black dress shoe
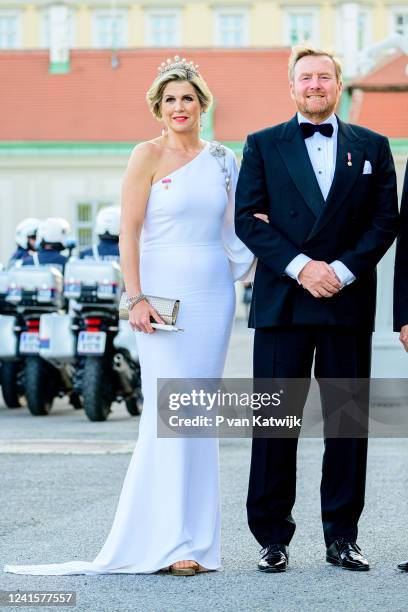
{"x": 346, "y": 554}
{"x": 403, "y": 566}
{"x": 274, "y": 558}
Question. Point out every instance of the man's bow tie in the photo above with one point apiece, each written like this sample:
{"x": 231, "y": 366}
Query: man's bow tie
{"x": 308, "y": 129}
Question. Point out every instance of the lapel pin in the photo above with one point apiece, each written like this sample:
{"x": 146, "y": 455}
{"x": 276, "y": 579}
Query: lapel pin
{"x": 349, "y": 162}
{"x": 166, "y": 183}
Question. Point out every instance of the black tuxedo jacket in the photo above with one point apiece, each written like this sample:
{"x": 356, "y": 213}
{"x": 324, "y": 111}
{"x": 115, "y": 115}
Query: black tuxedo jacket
{"x": 356, "y": 225}
{"x": 401, "y": 264}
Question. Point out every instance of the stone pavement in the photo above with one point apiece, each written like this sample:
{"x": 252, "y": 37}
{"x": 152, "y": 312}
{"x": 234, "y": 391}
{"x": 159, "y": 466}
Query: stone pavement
{"x": 61, "y": 476}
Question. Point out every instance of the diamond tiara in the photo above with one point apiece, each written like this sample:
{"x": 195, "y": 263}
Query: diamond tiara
{"x": 189, "y": 67}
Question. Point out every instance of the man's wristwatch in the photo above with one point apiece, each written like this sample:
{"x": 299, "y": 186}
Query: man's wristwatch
{"x": 134, "y": 299}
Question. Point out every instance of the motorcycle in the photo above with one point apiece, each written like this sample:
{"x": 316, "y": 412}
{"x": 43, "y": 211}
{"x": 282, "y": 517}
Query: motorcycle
{"x": 109, "y": 367}
{"x": 36, "y": 294}
{"x": 11, "y": 370}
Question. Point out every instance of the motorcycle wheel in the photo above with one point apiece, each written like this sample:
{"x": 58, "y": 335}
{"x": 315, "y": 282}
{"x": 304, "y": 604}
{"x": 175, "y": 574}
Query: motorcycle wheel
{"x": 134, "y": 404}
{"x": 39, "y": 386}
{"x": 97, "y": 389}
{"x": 13, "y": 394}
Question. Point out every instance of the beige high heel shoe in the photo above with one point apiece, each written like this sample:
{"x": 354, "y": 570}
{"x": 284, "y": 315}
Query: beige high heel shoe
{"x": 191, "y": 569}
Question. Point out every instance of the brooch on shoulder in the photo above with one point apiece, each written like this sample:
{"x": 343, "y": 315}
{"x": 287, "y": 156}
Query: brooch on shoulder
{"x": 218, "y": 151}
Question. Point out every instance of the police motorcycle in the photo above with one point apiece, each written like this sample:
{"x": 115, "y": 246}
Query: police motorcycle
{"x": 109, "y": 366}
{"x": 12, "y": 371}
{"x": 43, "y": 329}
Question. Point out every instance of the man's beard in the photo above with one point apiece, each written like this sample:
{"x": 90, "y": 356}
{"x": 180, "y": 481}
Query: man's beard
{"x": 325, "y": 109}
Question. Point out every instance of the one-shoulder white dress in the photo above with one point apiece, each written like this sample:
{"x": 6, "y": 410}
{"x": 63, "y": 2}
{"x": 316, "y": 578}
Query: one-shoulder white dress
{"x": 169, "y": 508}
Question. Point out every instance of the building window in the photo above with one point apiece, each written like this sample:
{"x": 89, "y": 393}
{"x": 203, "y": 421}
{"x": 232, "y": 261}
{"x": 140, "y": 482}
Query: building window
{"x": 363, "y": 29}
{"x": 302, "y": 26}
{"x": 231, "y": 28}
{"x": 163, "y": 29}
{"x": 10, "y": 33}
{"x": 85, "y": 216}
{"x": 109, "y": 29}
{"x": 45, "y": 28}
{"x": 399, "y": 22}
{"x": 354, "y": 31}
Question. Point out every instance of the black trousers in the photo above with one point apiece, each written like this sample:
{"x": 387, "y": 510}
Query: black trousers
{"x": 288, "y": 353}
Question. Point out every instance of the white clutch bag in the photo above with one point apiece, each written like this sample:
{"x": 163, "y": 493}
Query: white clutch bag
{"x": 166, "y": 308}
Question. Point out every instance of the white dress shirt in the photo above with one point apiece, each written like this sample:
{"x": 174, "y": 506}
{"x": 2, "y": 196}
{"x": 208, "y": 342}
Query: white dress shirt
{"x": 322, "y": 153}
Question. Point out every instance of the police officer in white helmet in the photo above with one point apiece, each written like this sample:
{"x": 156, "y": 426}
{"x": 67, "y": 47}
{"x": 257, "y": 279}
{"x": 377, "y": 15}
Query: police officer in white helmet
{"x": 26, "y": 234}
{"x": 53, "y": 236}
{"x": 107, "y": 227}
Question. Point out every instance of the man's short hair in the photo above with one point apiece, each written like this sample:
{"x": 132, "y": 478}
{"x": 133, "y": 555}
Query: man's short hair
{"x": 301, "y": 51}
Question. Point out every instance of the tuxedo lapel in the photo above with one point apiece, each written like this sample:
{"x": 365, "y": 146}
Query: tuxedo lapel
{"x": 291, "y": 146}
{"x": 348, "y": 147}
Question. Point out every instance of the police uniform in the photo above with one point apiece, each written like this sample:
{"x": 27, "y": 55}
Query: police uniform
{"x": 107, "y": 249}
{"x": 18, "y": 254}
{"x": 47, "y": 257}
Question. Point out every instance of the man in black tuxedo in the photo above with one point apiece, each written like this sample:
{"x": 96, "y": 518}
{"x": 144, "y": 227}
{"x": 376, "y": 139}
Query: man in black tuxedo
{"x": 401, "y": 283}
{"x": 329, "y": 191}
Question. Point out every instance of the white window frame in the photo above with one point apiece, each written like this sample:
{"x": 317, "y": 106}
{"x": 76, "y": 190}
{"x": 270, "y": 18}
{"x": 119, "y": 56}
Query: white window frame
{"x": 368, "y": 36}
{"x": 96, "y": 205}
{"x": 219, "y": 13}
{"x": 150, "y": 14}
{"x": 368, "y": 12}
{"x": 339, "y": 33}
{"x": 401, "y": 9}
{"x": 17, "y": 14}
{"x": 302, "y": 10}
{"x": 122, "y": 14}
{"x": 44, "y": 28}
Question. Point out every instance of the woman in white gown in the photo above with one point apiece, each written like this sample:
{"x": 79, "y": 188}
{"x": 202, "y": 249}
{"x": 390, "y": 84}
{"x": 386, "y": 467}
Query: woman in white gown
{"x": 177, "y": 241}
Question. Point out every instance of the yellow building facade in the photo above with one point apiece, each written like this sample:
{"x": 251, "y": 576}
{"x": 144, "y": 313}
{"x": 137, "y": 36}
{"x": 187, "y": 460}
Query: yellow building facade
{"x": 345, "y": 27}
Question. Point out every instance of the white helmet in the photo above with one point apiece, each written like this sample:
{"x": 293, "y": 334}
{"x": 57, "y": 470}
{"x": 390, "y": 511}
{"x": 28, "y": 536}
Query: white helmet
{"x": 108, "y": 221}
{"x": 55, "y": 230}
{"x": 25, "y": 229}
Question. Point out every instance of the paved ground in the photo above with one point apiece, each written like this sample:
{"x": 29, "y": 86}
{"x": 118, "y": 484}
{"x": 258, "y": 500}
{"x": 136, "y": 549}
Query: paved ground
{"x": 60, "y": 478}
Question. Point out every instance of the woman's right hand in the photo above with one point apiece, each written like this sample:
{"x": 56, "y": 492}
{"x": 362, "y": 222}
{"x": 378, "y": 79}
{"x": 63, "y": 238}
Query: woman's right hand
{"x": 139, "y": 317}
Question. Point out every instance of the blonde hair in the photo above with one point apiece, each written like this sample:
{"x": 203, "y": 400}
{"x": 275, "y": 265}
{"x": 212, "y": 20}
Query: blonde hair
{"x": 155, "y": 92}
{"x": 302, "y": 51}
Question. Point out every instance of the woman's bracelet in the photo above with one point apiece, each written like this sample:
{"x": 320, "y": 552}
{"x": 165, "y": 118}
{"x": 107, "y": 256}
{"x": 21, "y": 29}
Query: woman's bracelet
{"x": 134, "y": 299}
